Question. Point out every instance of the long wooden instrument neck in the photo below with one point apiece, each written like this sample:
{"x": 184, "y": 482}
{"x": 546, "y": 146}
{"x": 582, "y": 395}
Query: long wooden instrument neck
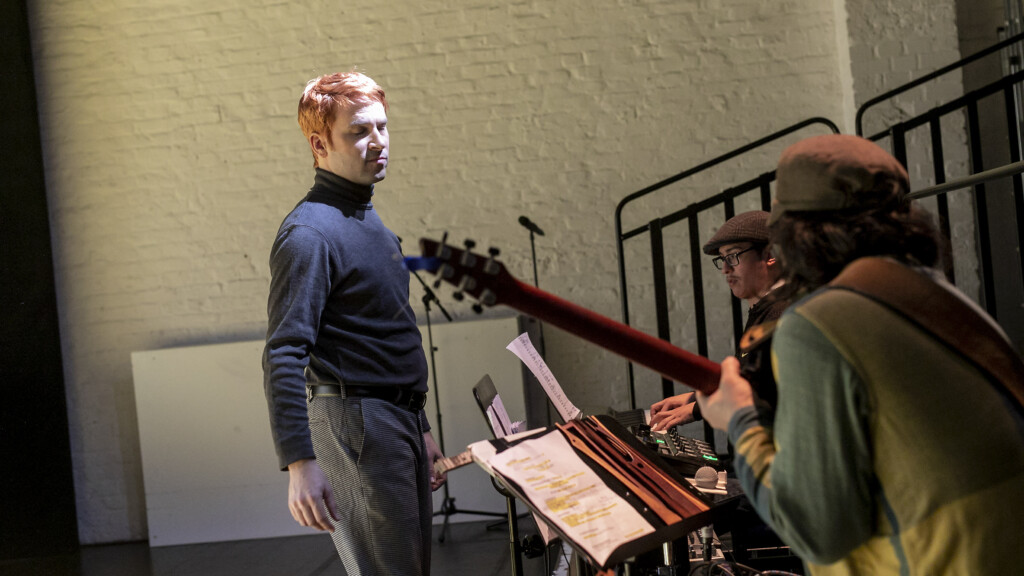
{"x": 668, "y": 360}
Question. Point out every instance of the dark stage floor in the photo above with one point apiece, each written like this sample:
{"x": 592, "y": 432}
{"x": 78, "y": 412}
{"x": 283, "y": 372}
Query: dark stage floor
{"x": 479, "y": 548}
{"x": 470, "y": 548}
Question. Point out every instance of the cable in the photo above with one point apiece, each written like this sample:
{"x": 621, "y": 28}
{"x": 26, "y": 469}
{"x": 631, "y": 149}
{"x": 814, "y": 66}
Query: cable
{"x": 728, "y": 568}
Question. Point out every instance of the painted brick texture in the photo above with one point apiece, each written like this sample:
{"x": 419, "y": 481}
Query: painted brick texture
{"x": 895, "y": 42}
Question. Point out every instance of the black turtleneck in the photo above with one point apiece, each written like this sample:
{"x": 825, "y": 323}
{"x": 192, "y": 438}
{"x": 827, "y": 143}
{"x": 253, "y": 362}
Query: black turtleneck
{"x": 327, "y": 185}
{"x": 339, "y": 301}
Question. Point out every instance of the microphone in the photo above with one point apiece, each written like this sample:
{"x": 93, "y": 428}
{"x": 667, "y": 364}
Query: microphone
{"x": 530, "y": 226}
{"x": 706, "y": 477}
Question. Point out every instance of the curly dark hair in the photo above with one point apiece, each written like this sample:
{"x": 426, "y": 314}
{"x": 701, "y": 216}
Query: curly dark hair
{"x": 814, "y": 247}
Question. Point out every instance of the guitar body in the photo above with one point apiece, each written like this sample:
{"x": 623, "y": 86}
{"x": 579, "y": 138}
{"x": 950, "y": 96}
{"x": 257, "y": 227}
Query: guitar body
{"x": 756, "y": 366}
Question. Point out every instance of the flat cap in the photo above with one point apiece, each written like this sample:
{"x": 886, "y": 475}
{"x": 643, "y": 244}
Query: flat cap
{"x": 836, "y": 172}
{"x": 745, "y": 227}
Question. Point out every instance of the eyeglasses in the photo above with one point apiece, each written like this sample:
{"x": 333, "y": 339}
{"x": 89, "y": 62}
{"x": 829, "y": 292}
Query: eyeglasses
{"x": 730, "y": 259}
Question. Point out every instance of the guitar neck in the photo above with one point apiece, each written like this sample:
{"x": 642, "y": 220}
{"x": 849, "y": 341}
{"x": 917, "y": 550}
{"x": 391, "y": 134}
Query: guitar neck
{"x": 668, "y": 360}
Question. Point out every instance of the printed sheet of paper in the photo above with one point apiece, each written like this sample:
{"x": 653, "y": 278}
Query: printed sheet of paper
{"x": 483, "y": 451}
{"x": 570, "y": 495}
{"x": 523, "y": 348}
{"x": 501, "y": 424}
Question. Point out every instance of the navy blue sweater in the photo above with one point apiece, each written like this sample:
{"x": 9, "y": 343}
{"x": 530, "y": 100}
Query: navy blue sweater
{"x": 339, "y": 295}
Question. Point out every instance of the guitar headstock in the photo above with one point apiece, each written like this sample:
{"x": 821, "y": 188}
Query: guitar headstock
{"x": 481, "y": 277}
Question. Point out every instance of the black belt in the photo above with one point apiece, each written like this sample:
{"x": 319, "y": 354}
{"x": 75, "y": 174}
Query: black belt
{"x": 402, "y": 397}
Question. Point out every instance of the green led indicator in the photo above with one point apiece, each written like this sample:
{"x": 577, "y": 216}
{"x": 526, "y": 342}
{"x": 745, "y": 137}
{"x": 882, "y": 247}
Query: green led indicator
{"x": 706, "y": 457}
{"x": 660, "y": 441}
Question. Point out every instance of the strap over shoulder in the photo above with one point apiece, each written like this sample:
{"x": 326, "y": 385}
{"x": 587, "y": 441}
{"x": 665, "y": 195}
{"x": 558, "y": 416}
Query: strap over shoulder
{"x": 940, "y": 312}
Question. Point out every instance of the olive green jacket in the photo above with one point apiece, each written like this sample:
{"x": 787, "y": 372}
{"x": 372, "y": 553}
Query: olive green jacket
{"x": 889, "y": 453}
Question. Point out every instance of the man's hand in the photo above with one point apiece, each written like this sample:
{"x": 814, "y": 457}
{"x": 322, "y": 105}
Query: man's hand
{"x": 433, "y": 455}
{"x": 733, "y": 393}
{"x": 310, "y": 497}
{"x": 672, "y": 411}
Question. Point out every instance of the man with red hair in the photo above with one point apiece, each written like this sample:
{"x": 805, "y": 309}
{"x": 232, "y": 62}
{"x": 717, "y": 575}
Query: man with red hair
{"x": 344, "y": 371}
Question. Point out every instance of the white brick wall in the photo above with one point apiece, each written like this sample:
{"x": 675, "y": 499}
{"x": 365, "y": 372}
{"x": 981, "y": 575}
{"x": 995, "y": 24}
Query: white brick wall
{"x": 172, "y": 154}
{"x": 892, "y": 43}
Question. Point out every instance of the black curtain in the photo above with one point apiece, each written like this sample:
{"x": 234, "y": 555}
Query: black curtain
{"x": 37, "y": 498}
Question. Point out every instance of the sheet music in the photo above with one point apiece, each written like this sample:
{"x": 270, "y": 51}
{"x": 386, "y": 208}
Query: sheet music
{"x": 523, "y": 348}
{"x": 501, "y": 424}
{"x": 567, "y": 493}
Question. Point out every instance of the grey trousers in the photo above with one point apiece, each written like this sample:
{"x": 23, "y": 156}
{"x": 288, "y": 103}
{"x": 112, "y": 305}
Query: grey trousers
{"x": 375, "y": 460}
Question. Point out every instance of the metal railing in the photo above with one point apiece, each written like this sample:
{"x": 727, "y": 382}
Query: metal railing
{"x": 691, "y": 214}
{"x": 969, "y": 104}
{"x": 897, "y": 133}
{"x": 959, "y": 64}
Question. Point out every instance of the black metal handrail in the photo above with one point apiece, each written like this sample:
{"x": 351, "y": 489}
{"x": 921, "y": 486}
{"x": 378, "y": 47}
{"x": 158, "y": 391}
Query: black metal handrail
{"x": 928, "y": 77}
{"x": 951, "y": 106}
{"x": 969, "y": 103}
{"x": 655, "y": 227}
{"x": 719, "y": 159}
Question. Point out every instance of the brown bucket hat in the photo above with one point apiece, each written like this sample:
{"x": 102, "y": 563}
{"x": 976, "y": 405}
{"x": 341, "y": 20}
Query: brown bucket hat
{"x": 836, "y": 172}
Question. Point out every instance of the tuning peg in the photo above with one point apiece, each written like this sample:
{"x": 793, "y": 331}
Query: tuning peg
{"x": 478, "y": 308}
{"x": 468, "y": 259}
{"x": 488, "y": 297}
{"x": 458, "y": 296}
{"x": 437, "y": 283}
{"x": 467, "y": 284}
{"x": 491, "y": 267}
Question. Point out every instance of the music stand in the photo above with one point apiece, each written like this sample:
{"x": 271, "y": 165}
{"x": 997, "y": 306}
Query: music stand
{"x": 498, "y": 422}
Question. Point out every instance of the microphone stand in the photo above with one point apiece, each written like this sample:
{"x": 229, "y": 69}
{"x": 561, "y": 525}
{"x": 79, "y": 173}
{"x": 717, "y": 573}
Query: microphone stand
{"x": 533, "y": 255}
{"x": 540, "y": 325}
{"x": 448, "y": 502}
{"x": 525, "y": 222}
{"x": 540, "y": 349}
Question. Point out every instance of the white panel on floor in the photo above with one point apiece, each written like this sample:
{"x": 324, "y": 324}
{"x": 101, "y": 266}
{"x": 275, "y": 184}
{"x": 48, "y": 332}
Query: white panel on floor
{"x": 208, "y": 460}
